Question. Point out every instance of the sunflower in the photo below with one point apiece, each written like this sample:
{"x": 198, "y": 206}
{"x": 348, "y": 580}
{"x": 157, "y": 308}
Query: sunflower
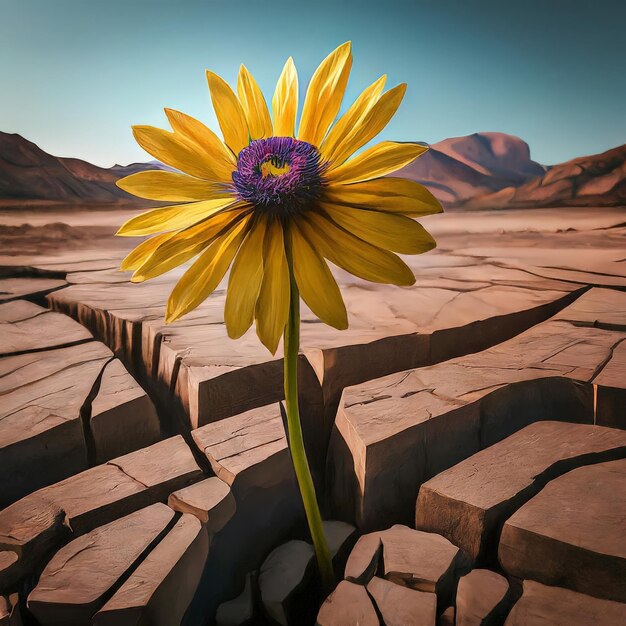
{"x": 276, "y": 204}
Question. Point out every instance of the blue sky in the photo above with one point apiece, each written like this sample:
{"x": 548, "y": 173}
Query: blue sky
{"x": 76, "y": 74}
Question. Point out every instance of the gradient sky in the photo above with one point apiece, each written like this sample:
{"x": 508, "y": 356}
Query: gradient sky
{"x": 75, "y": 74}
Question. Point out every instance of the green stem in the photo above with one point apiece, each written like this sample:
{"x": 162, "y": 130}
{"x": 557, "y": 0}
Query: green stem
{"x": 296, "y": 442}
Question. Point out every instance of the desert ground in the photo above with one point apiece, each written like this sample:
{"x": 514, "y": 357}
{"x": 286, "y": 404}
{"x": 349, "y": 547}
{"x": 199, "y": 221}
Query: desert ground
{"x": 466, "y": 435}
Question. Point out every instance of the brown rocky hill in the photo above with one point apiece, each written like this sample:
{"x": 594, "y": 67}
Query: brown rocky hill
{"x": 454, "y": 169}
{"x": 29, "y": 173}
{"x": 596, "y": 180}
{"x": 479, "y": 171}
{"x": 462, "y": 167}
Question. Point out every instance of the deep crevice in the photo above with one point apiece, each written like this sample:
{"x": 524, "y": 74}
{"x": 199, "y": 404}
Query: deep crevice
{"x": 85, "y": 416}
{"x": 136, "y": 564}
{"x": 69, "y": 344}
{"x": 27, "y": 271}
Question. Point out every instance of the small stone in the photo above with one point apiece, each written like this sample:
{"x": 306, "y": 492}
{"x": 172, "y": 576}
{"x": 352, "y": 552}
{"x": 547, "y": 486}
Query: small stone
{"x": 348, "y": 605}
{"x": 400, "y": 606}
{"x": 210, "y": 500}
{"x": 284, "y": 572}
{"x": 240, "y": 610}
{"x": 7, "y": 558}
{"x": 447, "y": 617}
{"x": 10, "y": 614}
{"x": 422, "y": 561}
{"x": 482, "y": 599}
{"x": 340, "y": 537}
{"x": 364, "y": 560}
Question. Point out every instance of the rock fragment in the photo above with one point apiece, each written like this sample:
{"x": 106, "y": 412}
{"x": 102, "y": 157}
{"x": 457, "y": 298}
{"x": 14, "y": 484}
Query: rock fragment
{"x": 210, "y": 500}
{"x": 348, "y": 604}
{"x": 400, "y": 606}
{"x": 482, "y": 599}
{"x": 239, "y": 610}
{"x": 423, "y": 561}
{"x": 284, "y": 573}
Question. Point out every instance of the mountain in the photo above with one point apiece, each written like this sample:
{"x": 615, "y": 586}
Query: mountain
{"x": 479, "y": 171}
{"x": 596, "y": 180}
{"x": 29, "y": 173}
{"x": 462, "y": 167}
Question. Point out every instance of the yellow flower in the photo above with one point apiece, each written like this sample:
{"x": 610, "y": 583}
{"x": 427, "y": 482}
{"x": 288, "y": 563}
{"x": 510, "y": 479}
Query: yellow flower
{"x": 275, "y": 204}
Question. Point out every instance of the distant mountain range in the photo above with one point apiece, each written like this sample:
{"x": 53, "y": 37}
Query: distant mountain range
{"x": 597, "y": 180}
{"x": 479, "y": 171}
{"x": 29, "y": 173}
{"x": 463, "y": 167}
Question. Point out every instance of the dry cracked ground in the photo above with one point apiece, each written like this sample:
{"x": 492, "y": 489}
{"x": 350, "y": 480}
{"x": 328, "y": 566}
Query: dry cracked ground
{"x": 466, "y": 436}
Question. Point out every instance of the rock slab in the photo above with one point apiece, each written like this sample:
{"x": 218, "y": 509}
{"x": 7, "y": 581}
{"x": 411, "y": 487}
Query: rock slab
{"x": 45, "y": 519}
{"x": 122, "y": 418}
{"x": 572, "y": 533}
{"x": 431, "y": 418}
{"x": 160, "y": 590}
{"x": 541, "y": 605}
{"x": 76, "y": 582}
{"x": 469, "y": 502}
{"x": 42, "y": 438}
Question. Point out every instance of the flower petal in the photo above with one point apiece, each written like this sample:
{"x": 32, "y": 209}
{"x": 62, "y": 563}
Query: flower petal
{"x": 272, "y": 307}
{"x": 353, "y": 254}
{"x": 370, "y": 125}
{"x": 393, "y": 195}
{"x": 316, "y": 283}
{"x": 186, "y": 244}
{"x": 203, "y": 277}
{"x": 176, "y": 151}
{"x": 143, "y": 251}
{"x": 229, "y": 112}
{"x": 285, "y": 101}
{"x": 324, "y": 94}
{"x": 351, "y": 118}
{"x": 171, "y": 187}
{"x": 221, "y": 157}
{"x": 381, "y": 159}
{"x": 254, "y": 106}
{"x": 173, "y": 217}
{"x": 244, "y": 282}
{"x": 385, "y": 230}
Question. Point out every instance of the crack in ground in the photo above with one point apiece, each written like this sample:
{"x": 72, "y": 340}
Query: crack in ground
{"x": 126, "y": 473}
{"x": 608, "y": 358}
{"x": 69, "y": 344}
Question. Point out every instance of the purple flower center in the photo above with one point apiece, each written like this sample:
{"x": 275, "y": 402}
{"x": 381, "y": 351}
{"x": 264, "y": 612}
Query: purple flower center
{"x": 281, "y": 175}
